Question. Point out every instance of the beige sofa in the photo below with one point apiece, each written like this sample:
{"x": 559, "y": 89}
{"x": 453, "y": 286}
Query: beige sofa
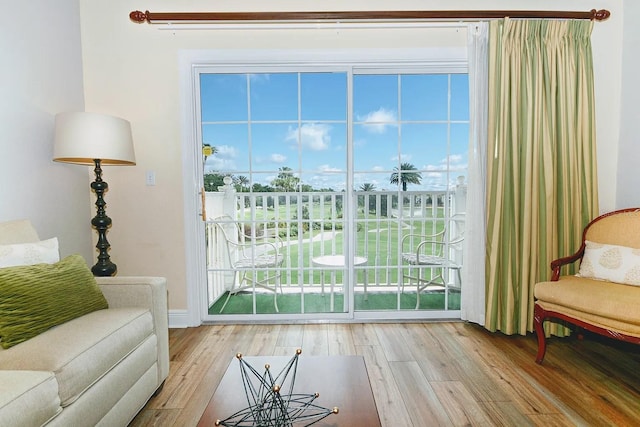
{"x": 97, "y": 369}
{"x": 604, "y": 297}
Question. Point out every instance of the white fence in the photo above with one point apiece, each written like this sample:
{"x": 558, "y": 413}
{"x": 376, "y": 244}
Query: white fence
{"x": 314, "y": 224}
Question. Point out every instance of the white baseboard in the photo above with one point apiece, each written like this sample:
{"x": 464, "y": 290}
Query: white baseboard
{"x": 180, "y": 319}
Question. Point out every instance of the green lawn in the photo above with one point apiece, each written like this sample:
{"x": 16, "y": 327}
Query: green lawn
{"x": 377, "y": 238}
{"x": 242, "y": 303}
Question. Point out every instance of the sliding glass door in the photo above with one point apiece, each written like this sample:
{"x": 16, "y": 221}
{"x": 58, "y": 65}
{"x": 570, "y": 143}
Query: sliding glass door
{"x": 326, "y": 186}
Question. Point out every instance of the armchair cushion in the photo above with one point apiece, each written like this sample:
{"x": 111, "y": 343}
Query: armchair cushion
{"x": 613, "y": 263}
{"x": 588, "y": 296}
{"x": 37, "y": 297}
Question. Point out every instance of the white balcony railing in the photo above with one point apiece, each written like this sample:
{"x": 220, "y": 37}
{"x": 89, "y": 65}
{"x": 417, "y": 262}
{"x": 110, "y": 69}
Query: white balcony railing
{"x": 314, "y": 224}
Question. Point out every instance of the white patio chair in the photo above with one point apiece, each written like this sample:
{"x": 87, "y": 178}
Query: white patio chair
{"x": 430, "y": 257}
{"x": 255, "y": 261}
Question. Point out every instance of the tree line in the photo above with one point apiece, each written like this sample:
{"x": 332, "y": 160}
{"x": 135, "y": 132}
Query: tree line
{"x": 287, "y": 182}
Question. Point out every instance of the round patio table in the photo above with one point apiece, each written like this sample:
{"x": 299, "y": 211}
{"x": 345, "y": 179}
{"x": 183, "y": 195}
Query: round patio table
{"x": 336, "y": 262}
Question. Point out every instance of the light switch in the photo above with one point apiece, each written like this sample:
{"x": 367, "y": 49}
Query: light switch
{"x": 151, "y": 178}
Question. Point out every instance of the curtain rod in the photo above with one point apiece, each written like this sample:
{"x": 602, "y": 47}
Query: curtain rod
{"x": 154, "y": 17}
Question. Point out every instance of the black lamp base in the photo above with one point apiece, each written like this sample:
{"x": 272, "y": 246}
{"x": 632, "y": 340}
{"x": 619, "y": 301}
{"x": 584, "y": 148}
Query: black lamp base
{"x": 101, "y": 222}
{"x": 103, "y": 270}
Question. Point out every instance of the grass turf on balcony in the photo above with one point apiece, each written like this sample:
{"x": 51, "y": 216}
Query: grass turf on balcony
{"x": 242, "y": 303}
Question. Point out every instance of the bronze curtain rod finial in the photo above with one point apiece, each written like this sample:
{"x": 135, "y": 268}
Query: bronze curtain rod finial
{"x": 140, "y": 17}
{"x": 600, "y": 15}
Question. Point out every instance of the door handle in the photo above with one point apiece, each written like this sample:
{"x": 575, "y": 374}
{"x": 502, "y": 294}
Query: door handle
{"x": 204, "y": 209}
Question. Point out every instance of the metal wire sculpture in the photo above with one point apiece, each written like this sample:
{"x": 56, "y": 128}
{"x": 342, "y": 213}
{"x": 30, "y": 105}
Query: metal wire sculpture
{"x": 268, "y": 405}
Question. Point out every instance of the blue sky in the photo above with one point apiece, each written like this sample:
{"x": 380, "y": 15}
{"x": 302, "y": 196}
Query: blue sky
{"x": 262, "y": 122}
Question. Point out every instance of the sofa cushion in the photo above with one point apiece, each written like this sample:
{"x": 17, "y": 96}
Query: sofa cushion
{"x": 28, "y": 398}
{"x": 36, "y": 297}
{"x": 620, "y": 264}
{"x": 81, "y": 351}
{"x": 45, "y": 251}
{"x": 603, "y": 299}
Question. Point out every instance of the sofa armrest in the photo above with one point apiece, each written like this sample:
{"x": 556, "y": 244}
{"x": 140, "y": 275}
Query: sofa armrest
{"x": 146, "y": 292}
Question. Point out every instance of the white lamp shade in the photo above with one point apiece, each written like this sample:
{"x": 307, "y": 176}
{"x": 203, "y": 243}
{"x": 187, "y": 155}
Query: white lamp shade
{"x": 82, "y": 137}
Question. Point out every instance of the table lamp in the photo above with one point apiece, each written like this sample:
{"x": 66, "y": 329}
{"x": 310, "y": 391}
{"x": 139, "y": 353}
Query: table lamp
{"x": 99, "y": 140}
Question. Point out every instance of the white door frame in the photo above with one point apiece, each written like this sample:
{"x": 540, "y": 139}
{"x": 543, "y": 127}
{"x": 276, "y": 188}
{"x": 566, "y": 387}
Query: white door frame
{"x": 445, "y": 60}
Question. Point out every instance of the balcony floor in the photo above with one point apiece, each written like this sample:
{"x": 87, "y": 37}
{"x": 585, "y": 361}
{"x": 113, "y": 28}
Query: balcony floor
{"x": 315, "y": 302}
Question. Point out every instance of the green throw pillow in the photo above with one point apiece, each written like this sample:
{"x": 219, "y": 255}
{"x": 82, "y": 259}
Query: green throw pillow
{"x": 37, "y": 297}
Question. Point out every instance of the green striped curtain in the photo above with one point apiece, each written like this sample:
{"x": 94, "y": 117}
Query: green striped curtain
{"x": 541, "y": 159}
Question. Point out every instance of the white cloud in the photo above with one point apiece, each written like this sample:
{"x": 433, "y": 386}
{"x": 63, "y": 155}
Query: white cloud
{"x": 378, "y": 121}
{"x": 403, "y": 158}
{"x": 335, "y": 182}
{"x": 455, "y": 158}
{"x": 259, "y": 78}
{"x": 435, "y": 174}
{"x": 359, "y": 142}
{"x": 278, "y": 158}
{"x": 223, "y": 159}
{"x": 316, "y": 137}
{"x": 327, "y": 168}
{"x": 226, "y": 152}
{"x": 455, "y": 162}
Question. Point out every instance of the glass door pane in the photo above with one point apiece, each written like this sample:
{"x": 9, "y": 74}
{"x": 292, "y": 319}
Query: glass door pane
{"x": 409, "y": 170}
{"x": 283, "y": 146}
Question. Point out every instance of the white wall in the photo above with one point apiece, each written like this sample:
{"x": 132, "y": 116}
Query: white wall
{"x": 131, "y": 70}
{"x": 628, "y": 194}
{"x": 41, "y": 75}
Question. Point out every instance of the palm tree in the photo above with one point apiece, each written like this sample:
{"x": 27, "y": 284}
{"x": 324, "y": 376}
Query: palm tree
{"x": 367, "y": 186}
{"x": 400, "y": 176}
{"x": 242, "y": 182}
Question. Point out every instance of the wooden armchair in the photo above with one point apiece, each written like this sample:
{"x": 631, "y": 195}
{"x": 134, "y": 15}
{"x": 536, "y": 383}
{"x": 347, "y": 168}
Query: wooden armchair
{"x": 604, "y": 297}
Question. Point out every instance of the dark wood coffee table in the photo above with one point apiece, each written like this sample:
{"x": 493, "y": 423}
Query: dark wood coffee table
{"x": 341, "y": 381}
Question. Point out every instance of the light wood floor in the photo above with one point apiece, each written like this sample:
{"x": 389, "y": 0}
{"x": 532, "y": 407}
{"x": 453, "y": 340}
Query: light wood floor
{"x": 423, "y": 374}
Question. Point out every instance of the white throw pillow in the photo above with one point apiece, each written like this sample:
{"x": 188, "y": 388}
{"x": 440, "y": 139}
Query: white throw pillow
{"x": 613, "y": 263}
{"x": 45, "y": 251}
